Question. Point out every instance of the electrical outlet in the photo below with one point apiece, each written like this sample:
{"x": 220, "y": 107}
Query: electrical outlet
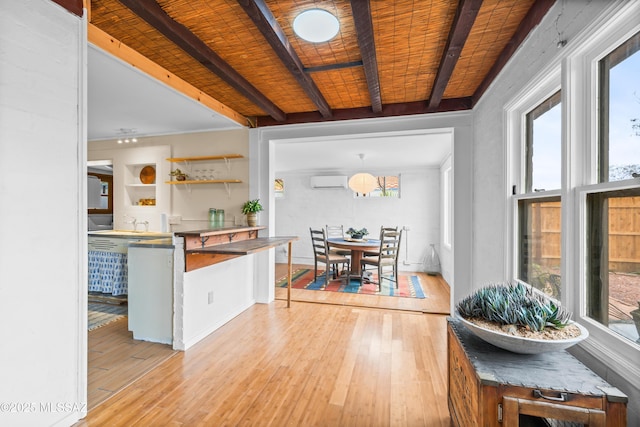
{"x": 210, "y": 297}
{"x": 406, "y": 228}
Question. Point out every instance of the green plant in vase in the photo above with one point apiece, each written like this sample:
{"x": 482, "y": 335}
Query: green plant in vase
{"x": 251, "y": 209}
{"x": 357, "y": 234}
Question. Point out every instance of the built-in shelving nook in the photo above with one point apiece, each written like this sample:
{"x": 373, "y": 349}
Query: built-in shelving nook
{"x": 207, "y": 174}
{"x": 139, "y": 193}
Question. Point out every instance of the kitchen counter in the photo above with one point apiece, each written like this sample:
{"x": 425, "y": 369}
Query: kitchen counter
{"x": 164, "y": 243}
{"x": 217, "y": 273}
{"x": 129, "y": 233}
{"x": 108, "y": 263}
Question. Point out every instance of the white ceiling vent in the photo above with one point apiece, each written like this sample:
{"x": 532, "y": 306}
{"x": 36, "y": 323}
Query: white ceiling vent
{"x": 333, "y": 181}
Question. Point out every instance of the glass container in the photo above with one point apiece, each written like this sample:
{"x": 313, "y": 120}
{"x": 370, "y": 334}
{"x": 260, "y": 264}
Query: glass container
{"x": 432, "y": 262}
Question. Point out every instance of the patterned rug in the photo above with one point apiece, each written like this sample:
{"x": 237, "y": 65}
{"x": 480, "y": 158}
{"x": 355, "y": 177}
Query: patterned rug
{"x": 102, "y": 314}
{"x": 409, "y": 286}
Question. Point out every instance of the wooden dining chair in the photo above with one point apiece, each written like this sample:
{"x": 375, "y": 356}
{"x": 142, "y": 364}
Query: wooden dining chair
{"x": 387, "y": 256}
{"x": 337, "y": 231}
{"x": 377, "y": 251}
{"x": 322, "y": 254}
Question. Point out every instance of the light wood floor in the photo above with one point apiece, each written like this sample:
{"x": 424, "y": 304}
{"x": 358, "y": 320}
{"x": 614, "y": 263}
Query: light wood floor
{"x": 116, "y": 360}
{"x": 311, "y": 364}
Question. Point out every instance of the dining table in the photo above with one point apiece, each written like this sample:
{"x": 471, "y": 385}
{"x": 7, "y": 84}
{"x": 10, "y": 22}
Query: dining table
{"x": 357, "y": 247}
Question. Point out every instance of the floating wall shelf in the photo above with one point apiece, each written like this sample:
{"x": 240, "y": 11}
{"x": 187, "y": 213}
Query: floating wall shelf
{"x": 225, "y": 157}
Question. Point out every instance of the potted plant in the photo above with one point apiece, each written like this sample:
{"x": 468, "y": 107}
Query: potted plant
{"x": 178, "y": 174}
{"x": 251, "y": 209}
{"x": 519, "y": 318}
{"x": 357, "y": 234}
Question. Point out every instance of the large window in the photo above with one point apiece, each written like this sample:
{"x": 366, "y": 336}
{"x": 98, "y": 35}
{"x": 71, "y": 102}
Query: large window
{"x": 539, "y": 207}
{"x": 574, "y": 223}
{"x": 613, "y": 207}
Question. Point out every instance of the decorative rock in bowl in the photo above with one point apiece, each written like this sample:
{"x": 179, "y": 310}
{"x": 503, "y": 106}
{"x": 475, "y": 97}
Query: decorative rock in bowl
{"x": 519, "y": 318}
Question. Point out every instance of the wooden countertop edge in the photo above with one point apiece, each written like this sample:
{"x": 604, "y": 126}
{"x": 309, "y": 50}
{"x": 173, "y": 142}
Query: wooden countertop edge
{"x": 244, "y": 247}
{"x": 225, "y": 230}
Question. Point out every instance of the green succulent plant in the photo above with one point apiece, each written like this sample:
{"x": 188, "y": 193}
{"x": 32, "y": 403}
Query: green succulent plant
{"x": 514, "y": 304}
{"x": 352, "y": 231}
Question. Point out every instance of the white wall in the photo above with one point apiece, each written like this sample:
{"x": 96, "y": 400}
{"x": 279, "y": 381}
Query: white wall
{"x": 191, "y": 202}
{"x": 43, "y": 278}
{"x": 207, "y": 298}
{"x": 418, "y": 209}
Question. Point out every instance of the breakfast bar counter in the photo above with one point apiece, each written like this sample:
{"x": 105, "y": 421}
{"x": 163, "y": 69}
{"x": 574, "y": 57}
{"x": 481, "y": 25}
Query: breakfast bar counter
{"x": 219, "y": 273}
{"x": 203, "y": 248}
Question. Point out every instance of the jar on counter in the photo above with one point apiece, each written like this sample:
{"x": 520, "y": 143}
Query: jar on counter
{"x": 216, "y": 218}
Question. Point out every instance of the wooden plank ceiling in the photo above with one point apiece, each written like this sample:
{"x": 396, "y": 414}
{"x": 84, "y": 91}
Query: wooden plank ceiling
{"x": 391, "y": 57}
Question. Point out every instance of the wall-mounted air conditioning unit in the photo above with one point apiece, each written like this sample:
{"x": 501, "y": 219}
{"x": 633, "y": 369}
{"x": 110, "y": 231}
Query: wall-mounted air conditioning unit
{"x": 331, "y": 181}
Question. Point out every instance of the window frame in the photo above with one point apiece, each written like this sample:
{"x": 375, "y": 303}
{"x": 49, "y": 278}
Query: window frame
{"x": 583, "y": 73}
{"x": 534, "y": 94}
{"x": 576, "y": 65}
{"x": 580, "y": 175}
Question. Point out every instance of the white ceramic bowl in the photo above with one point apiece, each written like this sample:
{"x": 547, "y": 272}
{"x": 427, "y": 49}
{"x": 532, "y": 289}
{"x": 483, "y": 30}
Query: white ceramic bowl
{"x": 520, "y": 344}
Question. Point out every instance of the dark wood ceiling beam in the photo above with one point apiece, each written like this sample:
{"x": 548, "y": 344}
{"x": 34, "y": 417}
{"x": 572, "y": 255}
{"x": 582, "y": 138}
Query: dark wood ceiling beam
{"x": 463, "y": 21}
{"x": 73, "y": 6}
{"x": 266, "y": 23}
{"x": 331, "y": 67}
{"x": 533, "y": 17}
{"x": 361, "y": 10}
{"x": 388, "y": 110}
{"x": 152, "y": 13}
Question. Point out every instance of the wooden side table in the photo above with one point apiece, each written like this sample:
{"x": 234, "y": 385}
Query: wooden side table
{"x": 489, "y": 386}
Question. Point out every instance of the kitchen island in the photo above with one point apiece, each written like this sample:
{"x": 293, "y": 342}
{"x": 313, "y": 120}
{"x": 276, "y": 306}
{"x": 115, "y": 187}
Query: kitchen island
{"x": 108, "y": 258}
{"x": 182, "y": 286}
{"x": 150, "y": 297}
{"x": 212, "y": 275}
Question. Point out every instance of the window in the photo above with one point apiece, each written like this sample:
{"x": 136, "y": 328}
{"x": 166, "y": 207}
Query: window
{"x": 387, "y": 186}
{"x": 589, "y": 212}
{"x": 613, "y": 248}
{"x": 543, "y": 146}
{"x": 447, "y": 208}
{"x": 619, "y": 127}
{"x": 612, "y": 232}
{"x": 540, "y": 229}
{"x": 539, "y": 208}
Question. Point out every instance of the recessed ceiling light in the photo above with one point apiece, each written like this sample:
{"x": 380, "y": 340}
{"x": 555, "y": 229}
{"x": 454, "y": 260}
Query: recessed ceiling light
{"x": 316, "y": 25}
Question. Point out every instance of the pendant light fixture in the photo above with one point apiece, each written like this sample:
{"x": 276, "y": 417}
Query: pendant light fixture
{"x": 363, "y": 182}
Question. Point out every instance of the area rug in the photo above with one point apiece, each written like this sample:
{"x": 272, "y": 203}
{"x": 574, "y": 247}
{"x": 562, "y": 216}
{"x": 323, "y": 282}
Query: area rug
{"x": 102, "y": 314}
{"x": 408, "y": 286}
